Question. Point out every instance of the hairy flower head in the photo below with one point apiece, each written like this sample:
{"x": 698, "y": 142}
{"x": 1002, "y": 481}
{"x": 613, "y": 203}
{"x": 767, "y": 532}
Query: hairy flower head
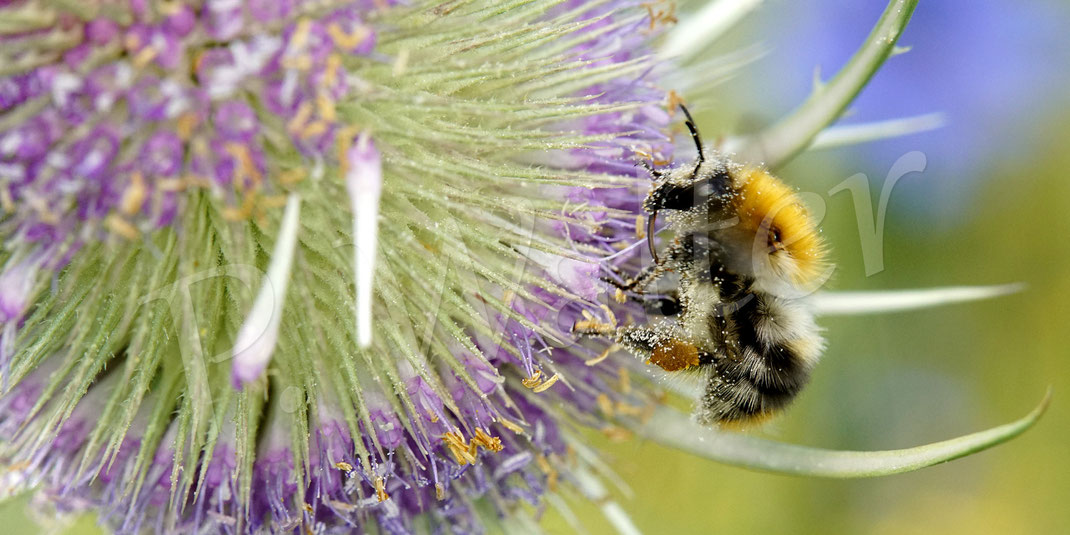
{"x": 281, "y": 264}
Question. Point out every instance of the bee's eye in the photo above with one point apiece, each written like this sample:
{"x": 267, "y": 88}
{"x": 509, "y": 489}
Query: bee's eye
{"x": 775, "y": 239}
{"x": 684, "y": 197}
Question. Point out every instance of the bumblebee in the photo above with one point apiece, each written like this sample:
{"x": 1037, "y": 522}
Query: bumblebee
{"x": 745, "y": 252}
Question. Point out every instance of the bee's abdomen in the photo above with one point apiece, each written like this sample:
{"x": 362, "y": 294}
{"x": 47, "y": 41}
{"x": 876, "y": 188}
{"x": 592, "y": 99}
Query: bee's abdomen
{"x": 769, "y": 347}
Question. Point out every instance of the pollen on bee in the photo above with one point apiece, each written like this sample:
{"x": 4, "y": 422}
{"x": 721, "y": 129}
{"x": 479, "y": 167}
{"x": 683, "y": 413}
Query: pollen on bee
{"x": 674, "y": 356}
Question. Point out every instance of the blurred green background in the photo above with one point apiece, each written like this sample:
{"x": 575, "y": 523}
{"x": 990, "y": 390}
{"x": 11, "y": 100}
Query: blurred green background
{"x": 991, "y": 208}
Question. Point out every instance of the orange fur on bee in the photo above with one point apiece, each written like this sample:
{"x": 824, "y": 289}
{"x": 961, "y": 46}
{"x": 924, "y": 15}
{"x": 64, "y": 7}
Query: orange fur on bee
{"x": 765, "y": 204}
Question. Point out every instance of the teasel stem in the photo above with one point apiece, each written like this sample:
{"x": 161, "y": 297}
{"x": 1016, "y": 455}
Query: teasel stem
{"x": 792, "y": 134}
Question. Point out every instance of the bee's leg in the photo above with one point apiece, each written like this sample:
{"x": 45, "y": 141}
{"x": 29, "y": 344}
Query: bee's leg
{"x": 678, "y": 252}
{"x": 661, "y": 345}
{"x": 637, "y": 339}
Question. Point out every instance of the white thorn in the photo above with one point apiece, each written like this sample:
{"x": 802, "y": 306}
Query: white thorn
{"x": 696, "y": 32}
{"x": 851, "y": 303}
{"x": 364, "y": 180}
{"x": 850, "y": 134}
{"x": 259, "y": 333}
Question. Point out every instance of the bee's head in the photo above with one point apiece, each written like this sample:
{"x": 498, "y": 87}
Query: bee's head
{"x": 758, "y": 226}
{"x": 775, "y": 240}
{"x": 703, "y": 187}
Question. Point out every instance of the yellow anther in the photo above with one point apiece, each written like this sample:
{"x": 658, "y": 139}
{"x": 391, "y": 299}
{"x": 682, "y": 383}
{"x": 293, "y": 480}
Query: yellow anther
{"x": 120, "y": 226}
{"x": 134, "y": 195}
{"x": 343, "y": 141}
{"x": 533, "y": 381}
{"x": 168, "y": 7}
{"x": 640, "y": 227}
{"x": 343, "y": 466}
{"x": 242, "y": 213}
{"x": 609, "y": 314}
{"x": 145, "y": 56}
{"x": 625, "y": 380}
{"x": 602, "y": 356}
{"x": 347, "y": 41}
{"x": 487, "y": 441}
{"x": 674, "y": 101}
{"x": 507, "y": 297}
{"x": 246, "y": 167}
{"x": 628, "y": 409}
{"x": 131, "y": 41}
{"x": 300, "y": 35}
{"x": 605, "y": 404}
{"x": 174, "y": 184}
{"x": 185, "y": 124}
{"x": 300, "y": 118}
{"x": 317, "y": 128}
{"x": 380, "y": 489}
{"x": 274, "y": 201}
{"x": 546, "y": 386}
{"x": 548, "y": 469}
{"x": 6, "y": 201}
{"x": 291, "y": 176}
{"x": 616, "y": 433}
{"x": 455, "y": 442}
{"x": 440, "y": 492}
{"x": 514, "y": 427}
{"x": 302, "y": 62}
{"x": 331, "y": 69}
{"x": 663, "y": 16}
{"x": 325, "y": 107}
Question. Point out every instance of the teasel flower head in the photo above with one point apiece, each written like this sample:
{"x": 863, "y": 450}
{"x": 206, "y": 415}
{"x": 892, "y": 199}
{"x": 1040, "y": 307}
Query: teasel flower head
{"x": 311, "y": 266}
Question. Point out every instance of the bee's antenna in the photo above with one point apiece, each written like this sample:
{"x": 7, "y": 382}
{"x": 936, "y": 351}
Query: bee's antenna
{"x": 690, "y": 123}
{"x": 650, "y": 235}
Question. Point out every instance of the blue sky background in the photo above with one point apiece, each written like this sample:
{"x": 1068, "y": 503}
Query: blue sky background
{"x": 994, "y": 68}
